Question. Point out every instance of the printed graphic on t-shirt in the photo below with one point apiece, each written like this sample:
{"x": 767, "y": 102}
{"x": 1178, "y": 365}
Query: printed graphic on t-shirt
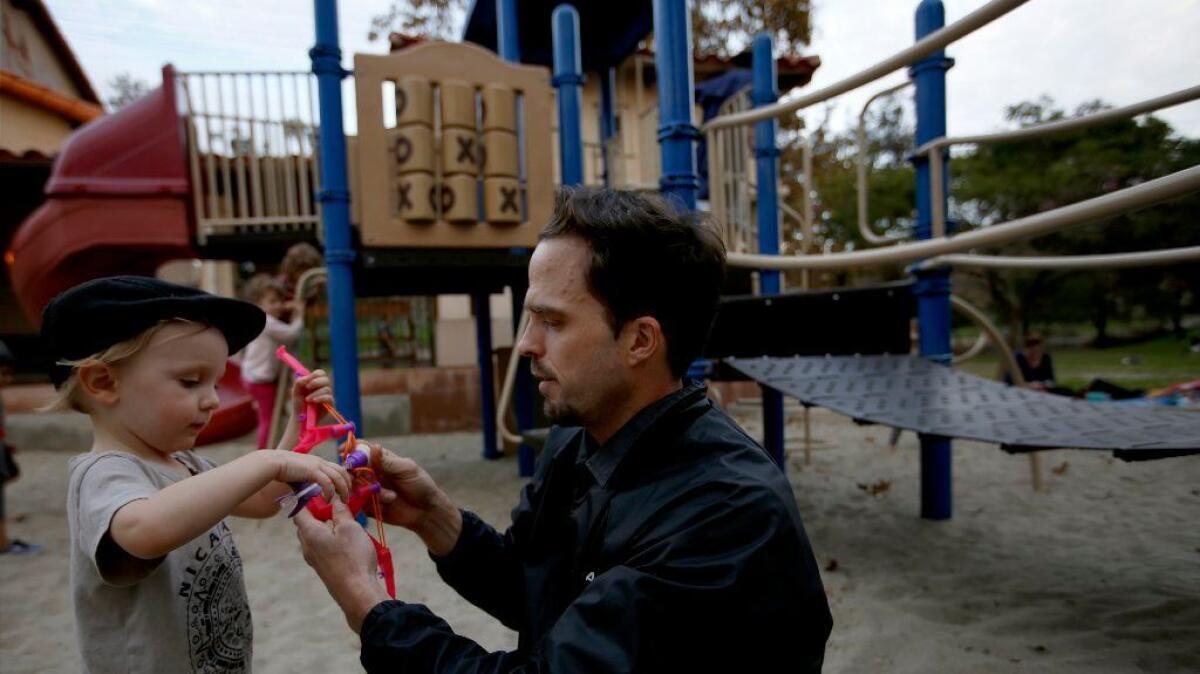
{"x": 218, "y": 616}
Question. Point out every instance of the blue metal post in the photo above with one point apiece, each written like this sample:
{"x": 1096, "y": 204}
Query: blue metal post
{"x": 480, "y": 301}
{"x": 766, "y": 155}
{"x": 522, "y": 389}
{"x": 506, "y": 37}
{"x": 932, "y": 287}
{"x": 334, "y": 196}
{"x": 676, "y": 97}
{"x": 568, "y": 80}
{"x": 506, "y": 31}
{"x": 608, "y": 120}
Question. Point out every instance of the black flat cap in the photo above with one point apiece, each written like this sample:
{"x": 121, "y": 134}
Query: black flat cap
{"x": 93, "y": 316}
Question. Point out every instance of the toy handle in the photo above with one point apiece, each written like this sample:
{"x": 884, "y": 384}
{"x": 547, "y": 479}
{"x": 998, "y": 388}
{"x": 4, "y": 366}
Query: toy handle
{"x": 282, "y": 354}
{"x": 383, "y": 561}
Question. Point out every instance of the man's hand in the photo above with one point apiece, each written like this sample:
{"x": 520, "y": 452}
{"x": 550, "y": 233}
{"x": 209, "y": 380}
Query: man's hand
{"x": 344, "y": 559}
{"x": 412, "y": 499}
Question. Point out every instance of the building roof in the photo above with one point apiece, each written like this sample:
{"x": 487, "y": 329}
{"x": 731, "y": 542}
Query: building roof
{"x": 45, "y": 23}
{"x": 793, "y": 70}
{"x": 612, "y": 29}
{"x": 70, "y": 108}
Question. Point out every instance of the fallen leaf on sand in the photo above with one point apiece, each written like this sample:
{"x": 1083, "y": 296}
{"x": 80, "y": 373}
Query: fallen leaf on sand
{"x": 832, "y": 565}
{"x": 1061, "y": 469}
{"x": 877, "y": 488}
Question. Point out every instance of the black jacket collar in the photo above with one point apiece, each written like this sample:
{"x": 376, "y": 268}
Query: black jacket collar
{"x": 604, "y": 461}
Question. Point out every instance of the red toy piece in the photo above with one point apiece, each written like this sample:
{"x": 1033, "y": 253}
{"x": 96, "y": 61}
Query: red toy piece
{"x": 365, "y": 488}
{"x": 323, "y": 510}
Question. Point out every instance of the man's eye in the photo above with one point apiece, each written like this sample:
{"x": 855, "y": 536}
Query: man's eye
{"x": 189, "y": 383}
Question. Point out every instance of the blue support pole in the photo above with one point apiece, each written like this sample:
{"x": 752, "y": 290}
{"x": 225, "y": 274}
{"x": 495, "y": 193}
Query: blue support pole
{"x": 480, "y": 302}
{"x": 334, "y": 196}
{"x": 522, "y": 390}
{"x": 676, "y": 96}
{"x": 506, "y": 31}
{"x": 932, "y": 287}
{"x": 608, "y": 120}
{"x": 568, "y": 80}
{"x": 766, "y": 157}
{"x": 506, "y": 37}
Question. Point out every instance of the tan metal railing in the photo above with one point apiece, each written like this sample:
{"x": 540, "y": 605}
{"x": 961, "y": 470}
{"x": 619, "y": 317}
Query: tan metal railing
{"x": 1108, "y": 205}
{"x": 730, "y": 189}
{"x": 252, "y": 140}
{"x": 1148, "y": 258}
{"x": 864, "y": 228}
{"x": 927, "y": 45}
{"x": 906, "y": 57}
{"x": 934, "y": 148}
{"x": 1010, "y": 364}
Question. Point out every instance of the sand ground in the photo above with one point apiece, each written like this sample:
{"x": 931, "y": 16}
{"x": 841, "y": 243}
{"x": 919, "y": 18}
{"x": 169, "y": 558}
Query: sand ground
{"x": 1100, "y": 572}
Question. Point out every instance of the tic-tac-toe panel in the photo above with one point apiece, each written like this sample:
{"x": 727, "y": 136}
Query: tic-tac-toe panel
{"x": 453, "y": 148}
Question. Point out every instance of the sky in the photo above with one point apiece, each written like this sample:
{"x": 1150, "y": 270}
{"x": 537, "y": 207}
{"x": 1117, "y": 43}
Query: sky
{"x": 1121, "y": 51}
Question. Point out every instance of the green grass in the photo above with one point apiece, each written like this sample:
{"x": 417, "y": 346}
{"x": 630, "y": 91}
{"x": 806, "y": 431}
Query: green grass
{"x": 1161, "y": 361}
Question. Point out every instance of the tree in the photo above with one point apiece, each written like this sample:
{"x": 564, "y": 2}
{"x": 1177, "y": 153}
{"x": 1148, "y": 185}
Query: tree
{"x": 125, "y": 90}
{"x": 720, "y": 27}
{"x": 724, "y": 27}
{"x": 1004, "y": 181}
{"x": 891, "y": 194}
{"x": 437, "y": 19}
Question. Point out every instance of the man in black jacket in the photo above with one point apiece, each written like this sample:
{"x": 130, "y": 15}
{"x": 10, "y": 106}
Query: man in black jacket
{"x": 655, "y": 536}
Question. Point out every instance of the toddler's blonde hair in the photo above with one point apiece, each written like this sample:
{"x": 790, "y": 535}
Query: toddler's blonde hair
{"x": 70, "y": 395}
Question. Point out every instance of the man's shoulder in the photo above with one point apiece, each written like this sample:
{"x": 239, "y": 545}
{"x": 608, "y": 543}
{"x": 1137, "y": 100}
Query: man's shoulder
{"x": 714, "y": 460}
{"x": 717, "y": 443}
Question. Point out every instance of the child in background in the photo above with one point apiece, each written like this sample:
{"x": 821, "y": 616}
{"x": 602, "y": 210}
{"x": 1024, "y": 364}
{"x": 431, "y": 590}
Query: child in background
{"x": 299, "y": 258}
{"x": 260, "y": 367}
{"x": 155, "y": 576}
{"x": 8, "y": 467}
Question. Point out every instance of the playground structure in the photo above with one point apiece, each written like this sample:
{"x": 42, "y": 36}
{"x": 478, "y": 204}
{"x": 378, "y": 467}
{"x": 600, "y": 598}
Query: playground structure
{"x": 449, "y": 180}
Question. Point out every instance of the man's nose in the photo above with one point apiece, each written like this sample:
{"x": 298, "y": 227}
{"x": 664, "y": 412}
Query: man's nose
{"x": 528, "y": 345}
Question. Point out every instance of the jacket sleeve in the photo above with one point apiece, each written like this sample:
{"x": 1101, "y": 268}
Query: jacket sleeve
{"x": 485, "y": 566}
{"x": 677, "y": 591}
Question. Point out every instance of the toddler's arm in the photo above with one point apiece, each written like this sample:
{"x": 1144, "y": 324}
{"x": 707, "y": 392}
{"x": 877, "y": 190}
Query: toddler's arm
{"x": 150, "y": 528}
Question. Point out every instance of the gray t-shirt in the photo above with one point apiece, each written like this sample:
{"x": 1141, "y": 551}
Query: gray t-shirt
{"x": 185, "y": 612}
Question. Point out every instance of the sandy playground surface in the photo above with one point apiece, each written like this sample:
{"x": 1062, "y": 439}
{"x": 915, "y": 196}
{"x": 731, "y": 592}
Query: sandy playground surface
{"x": 1098, "y": 573}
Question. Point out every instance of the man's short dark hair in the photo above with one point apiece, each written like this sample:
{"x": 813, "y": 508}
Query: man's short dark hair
{"x": 648, "y": 259}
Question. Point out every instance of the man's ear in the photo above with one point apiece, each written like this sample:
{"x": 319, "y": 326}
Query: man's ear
{"x": 644, "y": 340}
{"x": 99, "y": 381}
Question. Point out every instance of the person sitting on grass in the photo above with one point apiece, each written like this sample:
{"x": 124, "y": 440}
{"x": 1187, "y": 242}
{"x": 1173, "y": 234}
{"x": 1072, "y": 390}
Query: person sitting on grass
{"x": 155, "y": 577}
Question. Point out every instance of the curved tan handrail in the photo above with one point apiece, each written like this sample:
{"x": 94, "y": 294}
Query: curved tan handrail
{"x": 977, "y": 348}
{"x": 283, "y": 385}
{"x": 935, "y": 148}
{"x": 864, "y": 228}
{"x": 1010, "y": 364}
{"x": 506, "y": 390}
{"x": 919, "y": 50}
{"x": 1147, "y": 258}
{"x": 1090, "y": 210}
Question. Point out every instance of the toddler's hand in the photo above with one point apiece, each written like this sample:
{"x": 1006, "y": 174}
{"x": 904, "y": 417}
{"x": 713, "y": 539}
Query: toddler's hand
{"x": 293, "y": 467}
{"x": 316, "y": 388}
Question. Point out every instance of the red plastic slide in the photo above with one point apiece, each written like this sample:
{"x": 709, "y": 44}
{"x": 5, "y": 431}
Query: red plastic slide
{"x": 117, "y": 202}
